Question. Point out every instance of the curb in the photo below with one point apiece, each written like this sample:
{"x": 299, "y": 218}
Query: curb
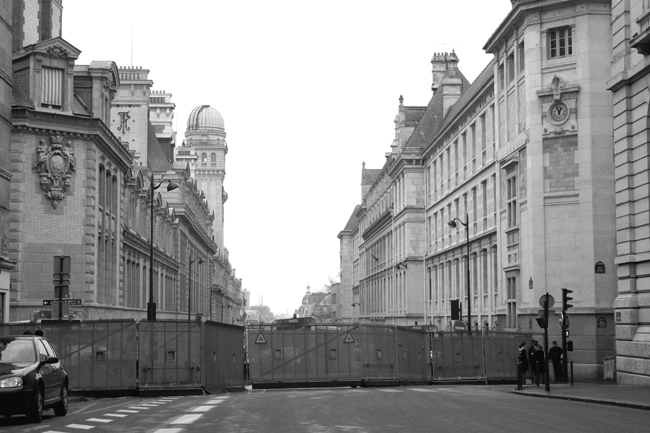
{"x": 585, "y": 400}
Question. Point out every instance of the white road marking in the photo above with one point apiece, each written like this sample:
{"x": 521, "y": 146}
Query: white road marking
{"x": 149, "y": 405}
{"x": 390, "y": 390}
{"x": 168, "y": 430}
{"x": 424, "y": 390}
{"x": 116, "y": 415}
{"x": 449, "y": 389}
{"x": 128, "y": 411}
{"x": 202, "y": 408}
{"x": 214, "y": 402}
{"x": 99, "y": 420}
{"x": 81, "y": 426}
{"x": 187, "y": 419}
{"x": 53, "y": 431}
{"x": 138, "y": 407}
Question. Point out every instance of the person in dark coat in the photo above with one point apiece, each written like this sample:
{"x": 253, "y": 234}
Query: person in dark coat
{"x": 540, "y": 364}
{"x": 523, "y": 359}
{"x": 531, "y": 356}
{"x": 555, "y": 355}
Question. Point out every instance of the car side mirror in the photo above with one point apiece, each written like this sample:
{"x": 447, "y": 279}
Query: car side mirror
{"x": 50, "y": 360}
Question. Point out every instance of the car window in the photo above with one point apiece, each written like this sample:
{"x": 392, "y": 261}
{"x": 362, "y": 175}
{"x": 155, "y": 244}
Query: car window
{"x": 42, "y": 350}
{"x": 50, "y": 348}
{"x": 17, "y": 351}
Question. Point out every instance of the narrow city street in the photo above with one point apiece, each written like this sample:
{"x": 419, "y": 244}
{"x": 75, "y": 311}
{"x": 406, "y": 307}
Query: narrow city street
{"x": 449, "y": 408}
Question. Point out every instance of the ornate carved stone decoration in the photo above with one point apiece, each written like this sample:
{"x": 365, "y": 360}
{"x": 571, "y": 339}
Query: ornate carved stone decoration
{"x": 57, "y": 51}
{"x": 54, "y": 166}
{"x": 124, "y": 118}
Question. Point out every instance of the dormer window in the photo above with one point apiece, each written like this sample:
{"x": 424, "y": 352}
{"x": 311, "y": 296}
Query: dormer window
{"x": 560, "y": 42}
{"x": 52, "y": 88}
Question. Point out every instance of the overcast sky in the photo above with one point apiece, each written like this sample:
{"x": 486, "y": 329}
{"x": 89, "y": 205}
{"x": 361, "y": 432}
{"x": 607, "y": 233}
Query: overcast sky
{"x": 308, "y": 91}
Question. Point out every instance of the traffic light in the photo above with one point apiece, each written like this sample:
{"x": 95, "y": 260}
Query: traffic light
{"x": 569, "y": 345}
{"x": 566, "y": 332}
{"x": 455, "y": 309}
{"x": 566, "y": 298}
{"x": 541, "y": 321}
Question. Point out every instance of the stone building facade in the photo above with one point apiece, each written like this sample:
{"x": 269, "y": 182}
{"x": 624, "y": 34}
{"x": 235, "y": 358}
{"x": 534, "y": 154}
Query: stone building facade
{"x": 521, "y": 161}
{"x": 630, "y": 87}
{"x": 87, "y": 173}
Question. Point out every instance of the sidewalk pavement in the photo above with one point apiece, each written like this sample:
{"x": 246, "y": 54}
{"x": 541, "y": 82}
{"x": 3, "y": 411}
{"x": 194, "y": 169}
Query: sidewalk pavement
{"x": 600, "y": 392}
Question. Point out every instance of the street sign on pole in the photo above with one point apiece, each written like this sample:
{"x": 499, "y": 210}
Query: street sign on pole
{"x": 76, "y": 302}
{"x": 47, "y": 302}
{"x": 460, "y": 326}
{"x": 543, "y": 298}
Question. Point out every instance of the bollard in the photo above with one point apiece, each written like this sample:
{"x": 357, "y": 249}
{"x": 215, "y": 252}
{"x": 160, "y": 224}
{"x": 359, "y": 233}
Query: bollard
{"x": 519, "y": 386}
{"x": 571, "y": 372}
{"x": 537, "y": 373}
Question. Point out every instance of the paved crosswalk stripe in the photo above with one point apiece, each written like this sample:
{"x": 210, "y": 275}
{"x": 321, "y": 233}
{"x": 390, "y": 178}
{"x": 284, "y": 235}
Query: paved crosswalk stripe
{"x": 53, "y": 431}
{"x": 138, "y": 407}
{"x": 127, "y": 411}
{"x": 80, "y": 426}
{"x": 187, "y": 419}
{"x": 99, "y": 420}
{"x": 390, "y": 390}
{"x": 424, "y": 390}
{"x": 202, "y": 408}
{"x": 169, "y": 430}
{"x": 214, "y": 402}
{"x": 117, "y": 415}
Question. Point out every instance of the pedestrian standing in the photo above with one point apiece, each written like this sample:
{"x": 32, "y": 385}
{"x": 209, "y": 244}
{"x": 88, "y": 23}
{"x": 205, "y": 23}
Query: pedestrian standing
{"x": 540, "y": 364}
{"x": 555, "y": 355}
{"x": 531, "y": 358}
{"x": 523, "y": 360}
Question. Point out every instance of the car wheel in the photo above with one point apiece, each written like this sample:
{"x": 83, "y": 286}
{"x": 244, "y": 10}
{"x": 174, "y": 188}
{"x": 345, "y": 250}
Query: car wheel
{"x": 61, "y": 408}
{"x": 36, "y": 410}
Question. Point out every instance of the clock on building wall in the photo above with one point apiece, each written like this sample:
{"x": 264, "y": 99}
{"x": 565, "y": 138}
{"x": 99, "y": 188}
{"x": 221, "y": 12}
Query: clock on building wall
{"x": 558, "y": 112}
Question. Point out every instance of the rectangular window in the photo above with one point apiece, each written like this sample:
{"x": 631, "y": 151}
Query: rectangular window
{"x": 560, "y": 42}
{"x": 521, "y": 58}
{"x": 511, "y": 200}
{"x": 511, "y": 68}
{"x": 52, "y": 88}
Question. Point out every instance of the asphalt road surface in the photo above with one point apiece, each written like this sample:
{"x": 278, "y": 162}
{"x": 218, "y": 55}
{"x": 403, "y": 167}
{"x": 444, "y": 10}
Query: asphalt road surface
{"x": 453, "y": 408}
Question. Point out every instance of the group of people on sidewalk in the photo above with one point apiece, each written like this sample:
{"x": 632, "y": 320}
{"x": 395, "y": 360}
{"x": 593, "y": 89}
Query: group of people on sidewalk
{"x": 534, "y": 360}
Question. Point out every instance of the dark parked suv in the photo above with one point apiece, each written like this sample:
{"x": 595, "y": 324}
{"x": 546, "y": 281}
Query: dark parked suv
{"x": 31, "y": 377}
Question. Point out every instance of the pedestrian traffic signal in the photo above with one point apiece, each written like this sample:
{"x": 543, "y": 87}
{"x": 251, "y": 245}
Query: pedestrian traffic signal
{"x": 566, "y": 332}
{"x": 566, "y": 298}
{"x": 569, "y": 345}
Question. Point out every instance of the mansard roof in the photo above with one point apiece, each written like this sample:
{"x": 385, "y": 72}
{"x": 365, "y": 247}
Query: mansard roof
{"x": 155, "y": 155}
{"x": 369, "y": 175}
{"x": 484, "y": 77}
{"x": 353, "y": 221}
{"x": 432, "y": 119}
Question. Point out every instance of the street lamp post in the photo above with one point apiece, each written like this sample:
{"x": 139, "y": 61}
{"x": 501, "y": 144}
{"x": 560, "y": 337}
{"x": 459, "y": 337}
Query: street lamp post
{"x": 452, "y": 224}
{"x": 189, "y": 288}
{"x": 151, "y": 306}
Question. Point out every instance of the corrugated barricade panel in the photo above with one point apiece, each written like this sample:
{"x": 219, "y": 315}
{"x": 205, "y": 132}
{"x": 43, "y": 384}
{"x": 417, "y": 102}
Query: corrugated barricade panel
{"x": 379, "y": 352}
{"x": 501, "y": 352}
{"x": 316, "y": 353}
{"x": 412, "y": 355}
{"x": 170, "y": 354}
{"x": 97, "y": 355}
{"x": 223, "y": 355}
{"x": 457, "y": 355}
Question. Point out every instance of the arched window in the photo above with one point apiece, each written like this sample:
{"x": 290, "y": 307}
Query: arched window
{"x": 204, "y": 157}
{"x": 213, "y": 158}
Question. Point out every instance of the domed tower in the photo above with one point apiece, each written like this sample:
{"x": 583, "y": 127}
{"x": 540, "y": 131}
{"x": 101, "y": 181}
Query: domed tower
{"x": 206, "y": 136}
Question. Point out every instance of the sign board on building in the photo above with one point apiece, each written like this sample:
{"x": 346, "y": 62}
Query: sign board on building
{"x": 602, "y": 323}
{"x": 600, "y": 267}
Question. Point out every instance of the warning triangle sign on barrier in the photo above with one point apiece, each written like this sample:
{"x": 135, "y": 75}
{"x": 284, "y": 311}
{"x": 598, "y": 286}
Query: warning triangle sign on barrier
{"x": 260, "y": 339}
{"x": 348, "y": 338}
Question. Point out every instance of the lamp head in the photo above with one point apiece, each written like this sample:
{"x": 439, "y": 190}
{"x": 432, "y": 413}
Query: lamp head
{"x": 452, "y": 224}
{"x": 171, "y": 186}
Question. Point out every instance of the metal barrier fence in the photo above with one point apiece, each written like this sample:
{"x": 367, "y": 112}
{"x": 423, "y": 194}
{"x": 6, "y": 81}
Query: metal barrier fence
{"x": 336, "y": 353}
{"x": 348, "y": 353}
{"x": 488, "y": 355}
{"x": 130, "y": 355}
